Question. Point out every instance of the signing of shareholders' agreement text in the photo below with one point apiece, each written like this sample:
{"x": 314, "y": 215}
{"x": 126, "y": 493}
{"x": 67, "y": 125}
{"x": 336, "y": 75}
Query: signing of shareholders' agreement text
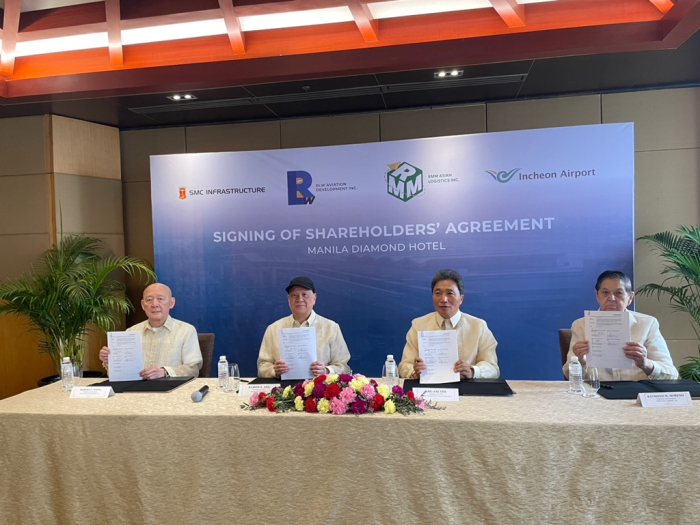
{"x": 518, "y": 214}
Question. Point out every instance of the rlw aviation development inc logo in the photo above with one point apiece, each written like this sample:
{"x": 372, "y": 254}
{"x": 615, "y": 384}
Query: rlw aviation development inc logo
{"x": 404, "y": 181}
{"x": 503, "y": 176}
{"x": 298, "y": 184}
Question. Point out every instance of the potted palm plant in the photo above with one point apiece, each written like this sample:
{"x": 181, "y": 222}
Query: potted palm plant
{"x": 70, "y": 289}
{"x": 680, "y": 253}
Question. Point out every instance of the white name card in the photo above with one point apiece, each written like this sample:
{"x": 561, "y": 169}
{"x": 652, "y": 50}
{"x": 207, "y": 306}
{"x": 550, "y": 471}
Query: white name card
{"x": 249, "y": 390}
{"x": 437, "y": 394}
{"x": 665, "y": 399}
{"x": 91, "y": 392}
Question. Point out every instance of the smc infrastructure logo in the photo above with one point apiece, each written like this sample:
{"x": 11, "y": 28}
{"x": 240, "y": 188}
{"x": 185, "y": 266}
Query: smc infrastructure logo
{"x": 404, "y": 181}
{"x": 298, "y": 184}
{"x": 503, "y": 176}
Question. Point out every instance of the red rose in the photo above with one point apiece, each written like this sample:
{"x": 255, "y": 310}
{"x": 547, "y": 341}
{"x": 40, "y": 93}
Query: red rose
{"x": 332, "y": 390}
{"x": 262, "y": 399}
{"x": 310, "y": 405}
{"x": 411, "y": 395}
{"x": 271, "y": 404}
{"x": 377, "y": 402}
{"x": 320, "y": 378}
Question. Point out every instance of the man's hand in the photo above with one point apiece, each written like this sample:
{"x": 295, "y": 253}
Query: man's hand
{"x": 418, "y": 367}
{"x": 580, "y": 350}
{"x": 465, "y": 369}
{"x": 280, "y": 368}
{"x": 317, "y": 368}
{"x": 104, "y": 355}
{"x": 152, "y": 373}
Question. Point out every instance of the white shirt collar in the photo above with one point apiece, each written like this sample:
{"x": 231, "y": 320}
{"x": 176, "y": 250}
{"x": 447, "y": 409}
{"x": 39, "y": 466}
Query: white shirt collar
{"x": 453, "y": 320}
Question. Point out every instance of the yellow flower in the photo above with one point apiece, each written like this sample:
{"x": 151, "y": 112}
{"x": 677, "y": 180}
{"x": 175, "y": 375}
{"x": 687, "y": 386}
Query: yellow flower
{"x": 356, "y": 385}
{"x": 323, "y": 406}
{"x": 287, "y": 393}
{"x": 365, "y": 380}
{"x": 331, "y": 378}
{"x": 309, "y": 388}
{"x": 384, "y": 391}
{"x": 389, "y": 407}
{"x": 299, "y": 404}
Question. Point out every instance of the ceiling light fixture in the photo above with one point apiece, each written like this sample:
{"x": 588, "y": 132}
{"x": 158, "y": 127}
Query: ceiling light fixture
{"x": 454, "y": 73}
{"x": 186, "y": 96}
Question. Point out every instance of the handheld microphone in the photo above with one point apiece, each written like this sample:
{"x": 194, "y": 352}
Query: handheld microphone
{"x": 199, "y": 394}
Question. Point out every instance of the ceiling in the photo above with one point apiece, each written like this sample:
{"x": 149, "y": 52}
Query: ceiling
{"x": 115, "y": 62}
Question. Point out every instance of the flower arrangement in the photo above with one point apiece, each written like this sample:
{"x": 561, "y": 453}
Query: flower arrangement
{"x": 338, "y": 394}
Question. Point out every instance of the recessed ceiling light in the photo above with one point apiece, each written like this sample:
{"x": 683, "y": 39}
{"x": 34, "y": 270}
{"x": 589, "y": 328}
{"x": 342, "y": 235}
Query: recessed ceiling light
{"x": 186, "y": 96}
{"x": 440, "y": 74}
{"x": 452, "y": 73}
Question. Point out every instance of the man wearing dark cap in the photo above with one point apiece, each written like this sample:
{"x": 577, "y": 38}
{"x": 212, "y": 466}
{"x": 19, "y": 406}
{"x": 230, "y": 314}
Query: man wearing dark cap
{"x": 331, "y": 351}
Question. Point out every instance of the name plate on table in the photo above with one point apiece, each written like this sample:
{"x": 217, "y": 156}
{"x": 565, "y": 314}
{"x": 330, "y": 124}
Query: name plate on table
{"x": 665, "y": 399}
{"x": 249, "y": 390}
{"x": 91, "y": 392}
{"x": 437, "y": 394}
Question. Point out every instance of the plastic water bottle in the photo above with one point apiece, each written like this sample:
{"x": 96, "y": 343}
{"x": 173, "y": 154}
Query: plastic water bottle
{"x": 391, "y": 375}
{"x": 223, "y": 373}
{"x": 67, "y": 374}
{"x": 575, "y": 376}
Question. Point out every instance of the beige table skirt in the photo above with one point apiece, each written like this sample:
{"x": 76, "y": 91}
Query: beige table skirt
{"x": 541, "y": 456}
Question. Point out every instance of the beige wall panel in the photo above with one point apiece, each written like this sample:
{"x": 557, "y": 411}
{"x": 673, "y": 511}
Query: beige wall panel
{"x": 24, "y": 145}
{"x": 233, "y": 137}
{"x": 138, "y": 145}
{"x": 24, "y": 204}
{"x": 138, "y": 226}
{"x": 330, "y": 131}
{"x": 680, "y": 349}
{"x": 663, "y": 119}
{"x": 667, "y": 190}
{"x": 19, "y": 252}
{"x": 85, "y": 148}
{"x": 21, "y": 363}
{"x": 89, "y": 204}
{"x": 543, "y": 113}
{"x": 400, "y": 125}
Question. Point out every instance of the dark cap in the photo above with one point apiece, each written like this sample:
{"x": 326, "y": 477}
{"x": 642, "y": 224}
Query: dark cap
{"x": 304, "y": 282}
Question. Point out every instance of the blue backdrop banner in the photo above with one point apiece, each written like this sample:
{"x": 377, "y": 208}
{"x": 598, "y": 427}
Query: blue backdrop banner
{"x": 528, "y": 218}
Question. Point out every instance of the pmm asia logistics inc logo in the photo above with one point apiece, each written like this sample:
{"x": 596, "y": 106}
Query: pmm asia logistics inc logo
{"x": 506, "y": 176}
{"x": 404, "y": 181}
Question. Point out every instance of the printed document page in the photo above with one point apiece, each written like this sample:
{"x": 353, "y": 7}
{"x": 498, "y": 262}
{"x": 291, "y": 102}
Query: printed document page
{"x": 438, "y": 348}
{"x": 125, "y": 356}
{"x": 607, "y": 333}
{"x": 298, "y": 350}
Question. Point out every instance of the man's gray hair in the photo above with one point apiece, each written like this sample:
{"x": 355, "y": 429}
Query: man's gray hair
{"x": 448, "y": 275}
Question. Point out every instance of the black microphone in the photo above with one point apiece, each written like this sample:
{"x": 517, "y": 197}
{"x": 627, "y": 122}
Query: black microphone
{"x": 199, "y": 394}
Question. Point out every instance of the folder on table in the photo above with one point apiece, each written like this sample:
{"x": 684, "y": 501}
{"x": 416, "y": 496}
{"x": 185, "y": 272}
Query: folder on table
{"x": 467, "y": 387}
{"x": 630, "y": 389}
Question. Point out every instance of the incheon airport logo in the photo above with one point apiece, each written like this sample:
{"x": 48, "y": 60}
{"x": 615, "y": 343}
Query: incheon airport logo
{"x": 298, "y": 184}
{"x": 404, "y": 181}
{"x": 503, "y": 176}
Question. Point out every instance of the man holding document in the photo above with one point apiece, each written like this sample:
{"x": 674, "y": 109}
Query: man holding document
{"x": 623, "y": 345}
{"x": 170, "y": 348}
{"x": 449, "y": 345}
{"x": 304, "y": 344}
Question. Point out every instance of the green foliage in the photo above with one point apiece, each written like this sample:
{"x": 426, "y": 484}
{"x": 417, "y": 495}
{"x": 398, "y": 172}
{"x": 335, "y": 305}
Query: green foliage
{"x": 680, "y": 253}
{"x": 70, "y": 287}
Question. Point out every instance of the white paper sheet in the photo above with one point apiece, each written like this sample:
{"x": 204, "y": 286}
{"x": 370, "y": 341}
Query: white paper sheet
{"x": 298, "y": 350}
{"x": 438, "y": 348}
{"x": 607, "y": 333}
{"x": 125, "y": 356}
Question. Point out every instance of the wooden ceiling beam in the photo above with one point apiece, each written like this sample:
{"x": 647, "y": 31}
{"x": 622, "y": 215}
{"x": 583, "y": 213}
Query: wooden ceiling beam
{"x": 662, "y": 5}
{"x": 366, "y": 23}
{"x": 10, "y": 28}
{"x": 114, "y": 32}
{"x": 512, "y": 13}
{"x": 233, "y": 27}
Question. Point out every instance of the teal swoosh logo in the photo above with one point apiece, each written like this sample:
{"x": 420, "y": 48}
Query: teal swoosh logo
{"x": 503, "y": 176}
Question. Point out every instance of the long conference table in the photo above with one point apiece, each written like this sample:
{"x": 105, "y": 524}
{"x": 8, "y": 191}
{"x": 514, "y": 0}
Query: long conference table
{"x": 541, "y": 456}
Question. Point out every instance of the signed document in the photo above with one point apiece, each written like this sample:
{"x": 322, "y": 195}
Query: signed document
{"x": 125, "y": 356}
{"x": 298, "y": 350}
{"x": 607, "y": 333}
{"x": 438, "y": 348}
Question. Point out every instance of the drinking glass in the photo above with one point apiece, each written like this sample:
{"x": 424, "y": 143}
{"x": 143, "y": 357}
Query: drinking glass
{"x": 591, "y": 382}
{"x": 234, "y": 377}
